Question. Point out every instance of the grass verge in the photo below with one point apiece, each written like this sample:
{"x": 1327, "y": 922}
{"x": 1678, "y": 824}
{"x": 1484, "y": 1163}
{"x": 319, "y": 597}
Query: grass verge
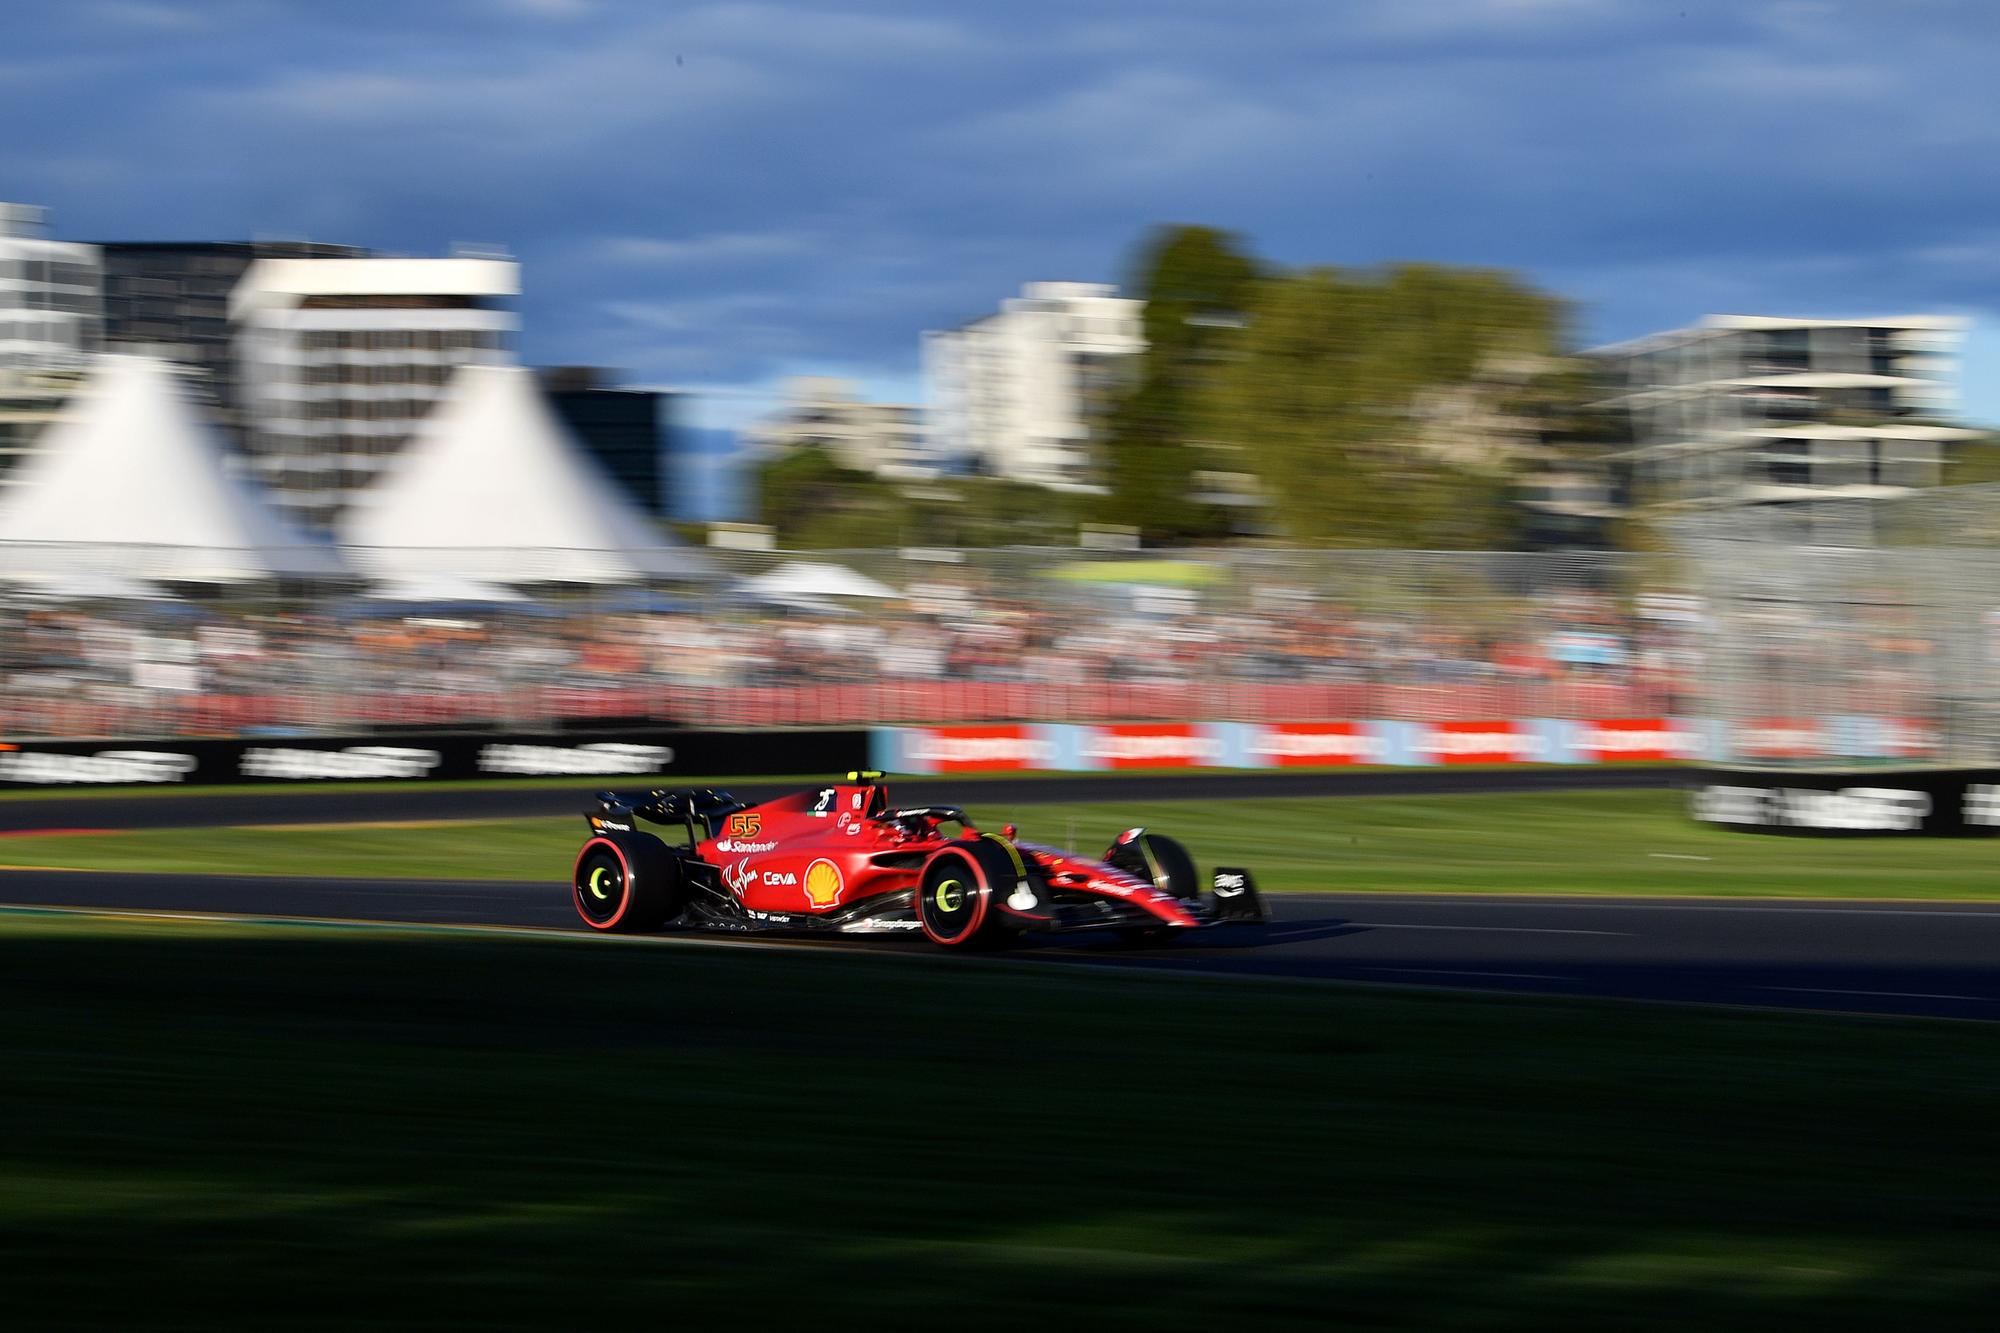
{"x": 234, "y": 1127}
{"x": 1624, "y": 842}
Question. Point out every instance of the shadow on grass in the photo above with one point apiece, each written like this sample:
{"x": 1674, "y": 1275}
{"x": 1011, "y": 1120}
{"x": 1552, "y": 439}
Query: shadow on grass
{"x": 341, "y": 1125}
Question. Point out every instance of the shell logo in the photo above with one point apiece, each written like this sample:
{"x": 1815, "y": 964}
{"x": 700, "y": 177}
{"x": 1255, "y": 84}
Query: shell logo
{"x": 823, "y": 884}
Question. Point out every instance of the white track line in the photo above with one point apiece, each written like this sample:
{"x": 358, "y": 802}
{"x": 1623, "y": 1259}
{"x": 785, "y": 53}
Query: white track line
{"x": 1651, "y": 905}
{"x": 1887, "y": 994}
{"x": 1496, "y": 930}
{"x": 1468, "y": 972}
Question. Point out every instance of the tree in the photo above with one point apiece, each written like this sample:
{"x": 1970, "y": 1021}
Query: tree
{"x": 1195, "y": 282}
{"x": 1323, "y": 397}
{"x": 809, "y": 500}
{"x": 1972, "y": 462}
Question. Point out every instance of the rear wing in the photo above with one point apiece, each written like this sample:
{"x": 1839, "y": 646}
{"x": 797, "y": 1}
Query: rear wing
{"x": 689, "y": 806}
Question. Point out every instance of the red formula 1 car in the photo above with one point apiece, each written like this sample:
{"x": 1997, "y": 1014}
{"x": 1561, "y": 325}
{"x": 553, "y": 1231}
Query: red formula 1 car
{"x": 843, "y": 858}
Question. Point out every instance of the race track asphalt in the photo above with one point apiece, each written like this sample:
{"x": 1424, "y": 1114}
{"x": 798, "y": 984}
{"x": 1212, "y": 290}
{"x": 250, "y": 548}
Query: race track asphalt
{"x": 1915, "y": 958}
{"x": 1931, "y": 959}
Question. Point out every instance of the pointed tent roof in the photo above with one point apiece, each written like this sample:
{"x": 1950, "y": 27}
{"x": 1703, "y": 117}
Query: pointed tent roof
{"x": 495, "y": 488}
{"x": 803, "y": 578}
{"x": 132, "y": 482}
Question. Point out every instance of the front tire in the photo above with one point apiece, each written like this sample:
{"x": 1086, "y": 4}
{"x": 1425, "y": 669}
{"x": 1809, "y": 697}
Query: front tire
{"x": 627, "y": 886}
{"x": 959, "y": 892}
{"x": 1159, "y": 860}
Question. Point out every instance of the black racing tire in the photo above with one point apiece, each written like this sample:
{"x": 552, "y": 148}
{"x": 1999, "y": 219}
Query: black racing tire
{"x": 627, "y": 885}
{"x": 959, "y": 892}
{"x": 1160, "y": 861}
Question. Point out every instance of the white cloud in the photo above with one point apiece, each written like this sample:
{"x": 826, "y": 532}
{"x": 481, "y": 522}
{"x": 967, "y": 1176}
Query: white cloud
{"x": 712, "y": 248}
{"x": 550, "y": 9}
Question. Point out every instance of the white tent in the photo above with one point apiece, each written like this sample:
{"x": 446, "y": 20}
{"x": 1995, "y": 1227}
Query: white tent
{"x": 803, "y": 579}
{"x": 444, "y": 588}
{"x": 494, "y": 488}
{"x": 88, "y": 585}
{"x": 132, "y": 483}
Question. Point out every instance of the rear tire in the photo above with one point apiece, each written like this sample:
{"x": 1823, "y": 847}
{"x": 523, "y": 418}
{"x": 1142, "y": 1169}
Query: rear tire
{"x": 959, "y": 892}
{"x": 627, "y": 886}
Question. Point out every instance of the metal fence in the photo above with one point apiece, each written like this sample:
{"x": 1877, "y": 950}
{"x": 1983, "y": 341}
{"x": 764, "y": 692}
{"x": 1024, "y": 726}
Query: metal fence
{"x": 129, "y": 641}
{"x": 1851, "y": 629}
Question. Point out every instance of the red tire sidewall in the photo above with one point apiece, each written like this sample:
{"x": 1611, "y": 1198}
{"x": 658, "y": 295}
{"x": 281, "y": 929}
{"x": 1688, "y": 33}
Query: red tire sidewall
{"x": 576, "y": 893}
{"x": 982, "y": 896}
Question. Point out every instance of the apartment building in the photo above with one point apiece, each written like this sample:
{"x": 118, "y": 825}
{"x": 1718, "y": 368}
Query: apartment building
{"x": 340, "y": 360}
{"x": 1022, "y": 393}
{"x": 1750, "y": 409}
{"x": 886, "y": 439}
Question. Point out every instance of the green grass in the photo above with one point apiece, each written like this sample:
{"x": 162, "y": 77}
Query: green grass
{"x": 1568, "y": 842}
{"x": 259, "y": 1127}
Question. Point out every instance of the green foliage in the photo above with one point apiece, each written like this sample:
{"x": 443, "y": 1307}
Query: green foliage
{"x": 810, "y": 500}
{"x": 1321, "y": 399}
{"x": 813, "y": 503}
{"x": 1194, "y": 281}
{"x": 1973, "y": 462}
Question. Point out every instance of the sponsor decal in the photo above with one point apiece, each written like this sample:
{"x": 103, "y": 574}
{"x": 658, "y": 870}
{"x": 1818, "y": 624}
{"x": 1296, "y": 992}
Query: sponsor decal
{"x": 1981, "y": 808}
{"x": 823, "y": 883}
{"x": 1781, "y": 738}
{"x": 1312, "y": 744}
{"x": 358, "y": 761}
{"x": 1228, "y": 885}
{"x": 738, "y": 847}
{"x": 744, "y": 825}
{"x": 738, "y": 877}
{"x": 781, "y": 879}
{"x": 1846, "y": 809}
{"x": 1633, "y": 739}
{"x": 1479, "y": 743}
{"x": 605, "y": 757}
{"x": 975, "y": 749}
{"x": 606, "y": 824}
{"x": 1118, "y": 884}
{"x": 1908, "y": 738}
{"x": 1145, "y": 745}
{"x": 104, "y": 766}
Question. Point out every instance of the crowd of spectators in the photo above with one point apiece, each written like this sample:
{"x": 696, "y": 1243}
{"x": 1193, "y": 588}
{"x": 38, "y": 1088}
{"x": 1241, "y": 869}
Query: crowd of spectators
{"x": 180, "y": 667}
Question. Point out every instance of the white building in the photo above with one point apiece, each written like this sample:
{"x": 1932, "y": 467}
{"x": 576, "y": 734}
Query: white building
{"x": 1021, "y": 393}
{"x": 1744, "y": 408}
{"x": 51, "y": 295}
{"x": 340, "y": 359}
{"x": 886, "y": 439}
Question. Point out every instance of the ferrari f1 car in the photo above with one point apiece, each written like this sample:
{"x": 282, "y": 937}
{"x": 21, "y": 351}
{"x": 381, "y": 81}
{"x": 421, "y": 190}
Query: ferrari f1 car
{"x": 844, "y": 858}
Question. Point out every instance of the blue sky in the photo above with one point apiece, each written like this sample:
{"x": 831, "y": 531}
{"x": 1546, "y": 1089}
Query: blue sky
{"x": 717, "y": 195}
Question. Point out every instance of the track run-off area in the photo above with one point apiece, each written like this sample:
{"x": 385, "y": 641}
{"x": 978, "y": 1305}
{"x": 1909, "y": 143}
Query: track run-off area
{"x": 1939, "y": 959}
